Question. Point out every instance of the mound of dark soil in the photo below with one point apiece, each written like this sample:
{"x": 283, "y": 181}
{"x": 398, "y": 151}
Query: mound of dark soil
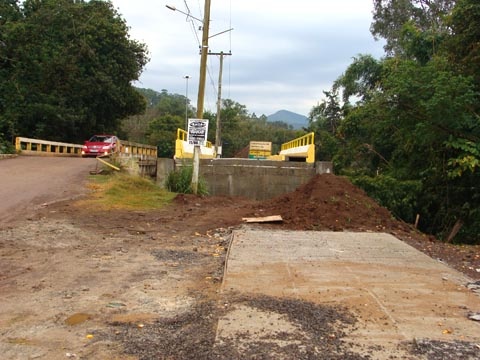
{"x": 329, "y": 202}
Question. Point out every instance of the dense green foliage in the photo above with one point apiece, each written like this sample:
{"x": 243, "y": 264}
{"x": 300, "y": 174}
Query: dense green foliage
{"x": 408, "y": 129}
{"x": 158, "y": 125}
{"x": 390, "y": 17}
{"x": 66, "y": 69}
{"x": 400, "y": 196}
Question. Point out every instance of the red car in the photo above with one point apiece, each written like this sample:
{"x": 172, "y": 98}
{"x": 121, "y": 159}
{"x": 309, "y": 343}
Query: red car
{"x": 99, "y": 145}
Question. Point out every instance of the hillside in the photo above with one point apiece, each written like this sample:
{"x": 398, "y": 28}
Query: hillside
{"x": 297, "y": 121}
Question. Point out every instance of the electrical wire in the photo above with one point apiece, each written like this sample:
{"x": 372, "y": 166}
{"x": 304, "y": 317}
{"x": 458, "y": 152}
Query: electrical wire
{"x": 229, "y": 62}
{"x": 209, "y": 67}
{"x": 200, "y": 9}
{"x": 191, "y": 20}
{"x": 212, "y": 84}
{"x": 186, "y": 6}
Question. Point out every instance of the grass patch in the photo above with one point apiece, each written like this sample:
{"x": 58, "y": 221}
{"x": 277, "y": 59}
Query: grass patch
{"x": 122, "y": 191}
{"x": 180, "y": 181}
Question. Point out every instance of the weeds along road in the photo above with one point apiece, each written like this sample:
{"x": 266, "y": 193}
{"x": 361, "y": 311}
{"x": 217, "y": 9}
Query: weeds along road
{"x": 27, "y": 182}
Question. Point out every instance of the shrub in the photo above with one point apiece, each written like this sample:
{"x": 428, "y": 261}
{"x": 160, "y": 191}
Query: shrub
{"x": 6, "y": 147}
{"x": 398, "y": 196}
{"x": 180, "y": 181}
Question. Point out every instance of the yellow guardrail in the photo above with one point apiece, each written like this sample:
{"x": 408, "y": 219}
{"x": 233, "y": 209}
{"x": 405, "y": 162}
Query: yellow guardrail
{"x": 27, "y": 146}
{"x": 182, "y": 135}
{"x": 301, "y": 141}
{"x": 183, "y": 150}
{"x": 132, "y": 148}
{"x": 300, "y": 148}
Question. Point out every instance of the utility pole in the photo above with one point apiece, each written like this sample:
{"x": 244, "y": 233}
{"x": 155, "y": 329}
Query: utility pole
{"x": 186, "y": 77}
{"x": 204, "y": 52}
{"x": 201, "y": 91}
{"x": 218, "y": 131}
{"x": 203, "y": 60}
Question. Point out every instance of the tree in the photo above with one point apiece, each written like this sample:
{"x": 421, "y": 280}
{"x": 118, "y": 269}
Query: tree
{"x": 151, "y": 96}
{"x": 158, "y": 125}
{"x": 162, "y": 132}
{"x": 324, "y": 120}
{"x": 463, "y": 46}
{"x": 328, "y": 114}
{"x": 361, "y": 78}
{"x": 135, "y": 127}
{"x": 390, "y": 17}
{"x": 67, "y": 68}
{"x": 233, "y": 115}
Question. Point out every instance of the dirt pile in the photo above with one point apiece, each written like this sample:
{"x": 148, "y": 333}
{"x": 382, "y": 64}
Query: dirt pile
{"x": 329, "y": 202}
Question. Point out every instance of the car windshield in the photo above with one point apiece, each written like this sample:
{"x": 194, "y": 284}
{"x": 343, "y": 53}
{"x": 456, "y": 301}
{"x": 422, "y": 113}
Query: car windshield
{"x": 99, "y": 138}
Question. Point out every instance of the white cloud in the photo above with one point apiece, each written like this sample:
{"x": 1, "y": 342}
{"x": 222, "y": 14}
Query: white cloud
{"x": 284, "y": 53}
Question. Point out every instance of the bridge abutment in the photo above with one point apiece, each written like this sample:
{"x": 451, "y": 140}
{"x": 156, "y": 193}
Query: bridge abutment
{"x": 254, "y": 179}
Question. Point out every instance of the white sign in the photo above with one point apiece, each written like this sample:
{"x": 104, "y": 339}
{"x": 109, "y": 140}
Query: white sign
{"x": 197, "y": 131}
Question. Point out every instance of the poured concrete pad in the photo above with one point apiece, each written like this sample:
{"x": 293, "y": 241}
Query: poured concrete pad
{"x": 397, "y": 293}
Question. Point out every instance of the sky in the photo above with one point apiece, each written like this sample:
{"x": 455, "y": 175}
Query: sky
{"x": 284, "y": 54}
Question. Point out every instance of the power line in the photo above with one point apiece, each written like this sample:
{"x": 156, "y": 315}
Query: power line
{"x": 230, "y": 38}
{"x": 208, "y": 67}
{"x": 200, "y": 8}
{"x": 186, "y": 6}
{"x": 191, "y": 19}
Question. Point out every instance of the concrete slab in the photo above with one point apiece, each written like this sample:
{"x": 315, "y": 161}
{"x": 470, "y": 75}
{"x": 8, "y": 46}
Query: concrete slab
{"x": 396, "y": 293}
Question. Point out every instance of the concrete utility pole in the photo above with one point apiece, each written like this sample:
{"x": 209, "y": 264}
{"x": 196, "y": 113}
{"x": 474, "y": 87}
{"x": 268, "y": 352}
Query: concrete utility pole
{"x": 218, "y": 131}
{"x": 201, "y": 91}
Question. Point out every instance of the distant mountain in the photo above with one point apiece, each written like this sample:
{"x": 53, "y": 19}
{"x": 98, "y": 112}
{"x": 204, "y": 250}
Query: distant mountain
{"x": 297, "y": 121}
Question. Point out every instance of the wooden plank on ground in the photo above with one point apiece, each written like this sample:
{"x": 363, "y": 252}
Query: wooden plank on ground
{"x": 273, "y": 218}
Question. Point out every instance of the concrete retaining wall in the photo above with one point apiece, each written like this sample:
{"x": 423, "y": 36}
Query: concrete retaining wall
{"x": 164, "y": 167}
{"x": 254, "y": 179}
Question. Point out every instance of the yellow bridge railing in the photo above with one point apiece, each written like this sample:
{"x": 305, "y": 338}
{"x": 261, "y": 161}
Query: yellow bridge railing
{"x": 133, "y": 148}
{"x": 301, "y": 141}
{"x": 300, "y": 148}
{"x": 183, "y": 150}
{"x": 28, "y": 146}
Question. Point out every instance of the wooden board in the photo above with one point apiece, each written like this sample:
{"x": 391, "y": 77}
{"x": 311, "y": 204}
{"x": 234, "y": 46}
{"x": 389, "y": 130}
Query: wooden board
{"x": 273, "y": 218}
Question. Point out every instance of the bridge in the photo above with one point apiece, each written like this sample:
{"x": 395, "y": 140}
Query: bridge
{"x": 301, "y": 149}
{"x": 135, "y": 157}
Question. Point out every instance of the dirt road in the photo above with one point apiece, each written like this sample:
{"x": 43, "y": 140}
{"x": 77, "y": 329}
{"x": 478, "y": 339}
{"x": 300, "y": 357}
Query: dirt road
{"x": 27, "y": 182}
{"x": 78, "y": 282}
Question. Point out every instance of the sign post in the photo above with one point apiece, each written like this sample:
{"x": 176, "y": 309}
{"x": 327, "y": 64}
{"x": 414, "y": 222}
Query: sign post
{"x": 197, "y": 136}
